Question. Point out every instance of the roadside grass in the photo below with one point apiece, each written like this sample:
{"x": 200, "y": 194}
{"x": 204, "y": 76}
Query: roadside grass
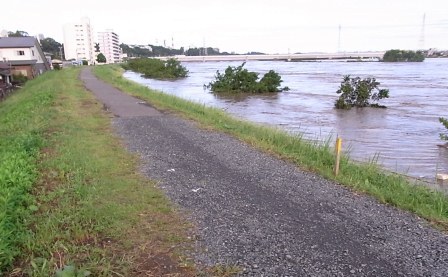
{"x": 71, "y": 197}
{"x": 366, "y": 178}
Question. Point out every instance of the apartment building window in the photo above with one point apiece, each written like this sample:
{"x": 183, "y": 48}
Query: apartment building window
{"x": 20, "y": 53}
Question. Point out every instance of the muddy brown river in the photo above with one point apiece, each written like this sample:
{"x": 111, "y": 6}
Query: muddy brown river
{"x": 403, "y": 137}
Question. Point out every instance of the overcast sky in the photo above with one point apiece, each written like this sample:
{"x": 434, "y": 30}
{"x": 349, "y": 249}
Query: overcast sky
{"x": 279, "y": 26}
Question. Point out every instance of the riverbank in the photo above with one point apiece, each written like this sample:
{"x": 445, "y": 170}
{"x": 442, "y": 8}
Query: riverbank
{"x": 71, "y": 197}
{"x": 75, "y": 197}
{"x": 260, "y": 213}
{"x": 363, "y": 178}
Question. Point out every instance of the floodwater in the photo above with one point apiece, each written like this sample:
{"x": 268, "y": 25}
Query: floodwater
{"x": 403, "y": 137}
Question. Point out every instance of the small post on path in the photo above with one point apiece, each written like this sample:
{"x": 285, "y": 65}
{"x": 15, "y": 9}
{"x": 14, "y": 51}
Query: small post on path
{"x": 338, "y": 155}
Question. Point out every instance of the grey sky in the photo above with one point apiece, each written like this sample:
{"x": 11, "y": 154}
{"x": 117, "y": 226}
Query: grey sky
{"x": 250, "y": 25}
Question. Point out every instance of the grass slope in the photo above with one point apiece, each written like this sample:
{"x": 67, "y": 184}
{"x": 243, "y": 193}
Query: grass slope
{"x": 70, "y": 195}
{"x": 366, "y": 178}
{"x": 22, "y": 121}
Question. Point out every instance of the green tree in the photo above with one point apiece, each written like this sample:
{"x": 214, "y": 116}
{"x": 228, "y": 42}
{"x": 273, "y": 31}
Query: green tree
{"x": 175, "y": 68}
{"x": 101, "y": 58}
{"x": 357, "y": 92}
{"x": 240, "y": 80}
{"x": 97, "y": 47}
{"x": 444, "y": 122}
{"x": 51, "y": 46}
{"x": 135, "y": 51}
{"x": 18, "y": 34}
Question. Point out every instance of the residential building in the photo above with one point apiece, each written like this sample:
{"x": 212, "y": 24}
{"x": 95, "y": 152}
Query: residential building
{"x": 109, "y": 43}
{"x": 23, "y": 55}
{"x": 78, "y": 41}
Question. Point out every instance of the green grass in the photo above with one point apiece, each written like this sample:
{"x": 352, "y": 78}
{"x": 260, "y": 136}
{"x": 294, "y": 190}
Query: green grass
{"x": 365, "y": 178}
{"x": 70, "y": 195}
{"x": 20, "y": 140}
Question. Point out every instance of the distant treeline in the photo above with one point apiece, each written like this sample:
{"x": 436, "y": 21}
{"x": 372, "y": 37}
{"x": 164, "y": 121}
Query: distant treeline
{"x": 144, "y": 51}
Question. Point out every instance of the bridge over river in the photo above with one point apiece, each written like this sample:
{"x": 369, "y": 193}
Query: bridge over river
{"x": 350, "y": 56}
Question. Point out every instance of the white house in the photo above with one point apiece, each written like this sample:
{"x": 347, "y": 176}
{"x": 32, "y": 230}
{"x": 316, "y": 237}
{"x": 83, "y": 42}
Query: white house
{"x": 78, "y": 41}
{"x": 23, "y": 55}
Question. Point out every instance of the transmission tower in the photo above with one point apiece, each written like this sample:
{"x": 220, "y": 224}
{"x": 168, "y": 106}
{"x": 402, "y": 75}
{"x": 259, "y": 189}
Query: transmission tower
{"x": 421, "y": 42}
{"x": 339, "y": 39}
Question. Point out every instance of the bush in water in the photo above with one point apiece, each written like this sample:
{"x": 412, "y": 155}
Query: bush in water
{"x": 240, "y": 80}
{"x": 396, "y": 55}
{"x": 157, "y": 69}
{"x": 444, "y": 121}
{"x": 357, "y": 92}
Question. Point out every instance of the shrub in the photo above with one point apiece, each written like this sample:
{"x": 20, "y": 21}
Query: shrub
{"x": 240, "y": 80}
{"x": 357, "y": 92}
{"x": 396, "y": 55}
{"x": 444, "y": 122}
{"x": 157, "y": 69}
{"x": 19, "y": 78}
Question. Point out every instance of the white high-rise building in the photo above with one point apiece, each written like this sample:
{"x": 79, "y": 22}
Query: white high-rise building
{"x": 109, "y": 43}
{"x": 78, "y": 41}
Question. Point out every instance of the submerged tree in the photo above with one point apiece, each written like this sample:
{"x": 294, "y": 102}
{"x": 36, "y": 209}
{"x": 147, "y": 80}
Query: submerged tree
{"x": 357, "y": 92}
{"x": 157, "y": 69}
{"x": 396, "y": 55}
{"x": 444, "y": 122}
{"x": 238, "y": 79}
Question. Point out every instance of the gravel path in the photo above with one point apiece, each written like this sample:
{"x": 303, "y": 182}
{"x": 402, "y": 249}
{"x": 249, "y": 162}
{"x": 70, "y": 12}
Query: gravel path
{"x": 265, "y": 215}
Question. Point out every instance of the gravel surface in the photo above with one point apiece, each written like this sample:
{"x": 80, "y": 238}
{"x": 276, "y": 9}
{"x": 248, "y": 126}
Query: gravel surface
{"x": 268, "y": 217}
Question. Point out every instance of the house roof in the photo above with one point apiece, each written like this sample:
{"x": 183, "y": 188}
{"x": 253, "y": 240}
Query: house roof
{"x": 25, "y": 62}
{"x": 14, "y": 42}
